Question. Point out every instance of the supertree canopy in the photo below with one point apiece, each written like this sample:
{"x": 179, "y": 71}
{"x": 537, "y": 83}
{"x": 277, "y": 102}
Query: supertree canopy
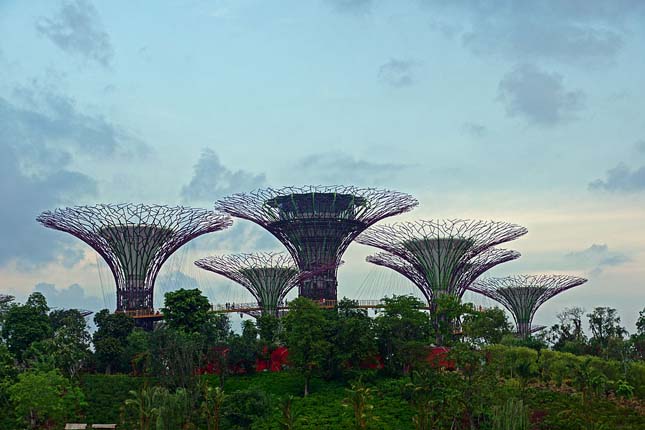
{"x": 317, "y": 223}
{"x": 267, "y": 276}
{"x": 522, "y": 295}
{"x": 442, "y": 256}
{"x": 458, "y": 281}
{"x": 134, "y": 240}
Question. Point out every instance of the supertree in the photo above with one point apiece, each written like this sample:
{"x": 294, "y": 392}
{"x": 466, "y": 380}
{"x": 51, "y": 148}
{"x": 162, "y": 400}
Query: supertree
{"x": 267, "y": 276}
{"x": 134, "y": 240}
{"x": 441, "y": 256}
{"x": 522, "y": 295}
{"x": 460, "y": 279}
{"x": 317, "y": 223}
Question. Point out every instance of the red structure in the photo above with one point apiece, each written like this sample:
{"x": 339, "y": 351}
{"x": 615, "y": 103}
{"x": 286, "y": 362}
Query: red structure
{"x": 277, "y": 360}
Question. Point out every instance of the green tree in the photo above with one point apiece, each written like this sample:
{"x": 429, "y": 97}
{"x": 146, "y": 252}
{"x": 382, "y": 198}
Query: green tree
{"x": 144, "y": 403}
{"x": 175, "y": 358}
{"x": 244, "y": 349}
{"x": 359, "y": 398}
{"x": 484, "y": 326}
{"x": 187, "y": 310}
{"x": 354, "y": 340}
{"x": 568, "y": 335}
{"x": 174, "y": 410}
{"x": 37, "y": 301}
{"x": 445, "y": 312}
{"x": 218, "y": 329}
{"x": 512, "y": 415}
{"x": 26, "y": 324}
{"x": 137, "y": 351}
{"x": 44, "y": 399}
{"x": 434, "y": 394}
{"x": 6, "y": 303}
{"x": 403, "y": 332}
{"x": 288, "y": 416}
{"x": 474, "y": 384}
{"x": 110, "y": 339}
{"x": 8, "y": 374}
{"x": 607, "y": 338}
{"x": 212, "y": 406}
{"x": 305, "y": 336}
{"x": 245, "y": 407}
{"x": 70, "y": 342}
{"x": 269, "y": 329}
{"x": 638, "y": 338}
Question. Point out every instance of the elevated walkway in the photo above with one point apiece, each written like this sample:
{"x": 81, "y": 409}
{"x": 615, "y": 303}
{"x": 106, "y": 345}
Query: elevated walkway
{"x": 252, "y": 308}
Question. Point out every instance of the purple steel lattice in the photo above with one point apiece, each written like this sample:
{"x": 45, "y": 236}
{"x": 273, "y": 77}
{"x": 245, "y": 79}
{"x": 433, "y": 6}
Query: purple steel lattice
{"x": 267, "y": 276}
{"x": 441, "y": 256}
{"x": 459, "y": 281}
{"x": 317, "y": 223}
{"x": 134, "y": 240}
{"x": 522, "y": 295}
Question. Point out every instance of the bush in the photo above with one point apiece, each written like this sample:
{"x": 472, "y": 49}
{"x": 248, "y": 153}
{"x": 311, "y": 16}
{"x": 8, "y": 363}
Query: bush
{"x": 242, "y": 408}
{"x": 105, "y": 395}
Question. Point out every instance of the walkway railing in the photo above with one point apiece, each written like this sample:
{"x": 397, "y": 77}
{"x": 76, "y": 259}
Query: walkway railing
{"x": 326, "y": 304}
{"x": 254, "y": 306}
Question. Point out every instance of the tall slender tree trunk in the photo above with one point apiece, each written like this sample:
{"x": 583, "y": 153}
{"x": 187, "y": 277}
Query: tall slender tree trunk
{"x": 306, "y": 386}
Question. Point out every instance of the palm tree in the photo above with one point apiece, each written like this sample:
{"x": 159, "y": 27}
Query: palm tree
{"x": 144, "y": 402}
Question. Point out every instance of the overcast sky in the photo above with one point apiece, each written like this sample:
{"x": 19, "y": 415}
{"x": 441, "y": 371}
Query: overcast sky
{"x": 528, "y": 112}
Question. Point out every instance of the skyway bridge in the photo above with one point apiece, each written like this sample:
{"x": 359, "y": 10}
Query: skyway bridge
{"x": 253, "y": 308}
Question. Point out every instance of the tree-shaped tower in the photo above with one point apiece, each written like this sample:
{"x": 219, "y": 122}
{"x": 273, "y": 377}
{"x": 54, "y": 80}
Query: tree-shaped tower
{"x": 441, "y": 256}
{"x": 522, "y": 295}
{"x": 267, "y": 276}
{"x": 317, "y": 223}
{"x": 134, "y": 240}
{"x": 459, "y": 281}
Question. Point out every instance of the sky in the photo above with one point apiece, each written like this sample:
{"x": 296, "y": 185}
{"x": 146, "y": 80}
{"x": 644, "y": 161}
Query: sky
{"x": 526, "y": 112}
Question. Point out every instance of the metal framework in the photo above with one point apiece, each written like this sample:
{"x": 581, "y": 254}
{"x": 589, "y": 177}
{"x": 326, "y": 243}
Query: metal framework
{"x": 442, "y": 256}
{"x": 134, "y": 240}
{"x": 522, "y": 295}
{"x": 267, "y": 276}
{"x": 459, "y": 281}
{"x": 317, "y": 223}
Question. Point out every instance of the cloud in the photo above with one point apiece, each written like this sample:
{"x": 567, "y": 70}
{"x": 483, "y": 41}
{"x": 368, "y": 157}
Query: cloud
{"x": 597, "y": 257}
{"x": 351, "y": 6}
{"x": 212, "y": 180}
{"x": 77, "y": 29}
{"x": 173, "y": 281}
{"x": 397, "y": 73}
{"x": 72, "y": 297}
{"x": 640, "y": 146}
{"x": 42, "y": 135}
{"x": 46, "y": 120}
{"x": 540, "y": 97}
{"x": 340, "y": 167}
{"x": 577, "y": 32}
{"x": 621, "y": 179}
{"x": 23, "y": 197}
{"x": 474, "y": 129}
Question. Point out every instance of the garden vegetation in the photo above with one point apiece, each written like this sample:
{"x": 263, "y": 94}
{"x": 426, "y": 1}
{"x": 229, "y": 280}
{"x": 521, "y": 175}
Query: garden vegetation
{"x": 345, "y": 369}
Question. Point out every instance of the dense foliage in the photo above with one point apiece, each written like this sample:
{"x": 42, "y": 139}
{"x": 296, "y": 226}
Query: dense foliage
{"x": 345, "y": 369}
